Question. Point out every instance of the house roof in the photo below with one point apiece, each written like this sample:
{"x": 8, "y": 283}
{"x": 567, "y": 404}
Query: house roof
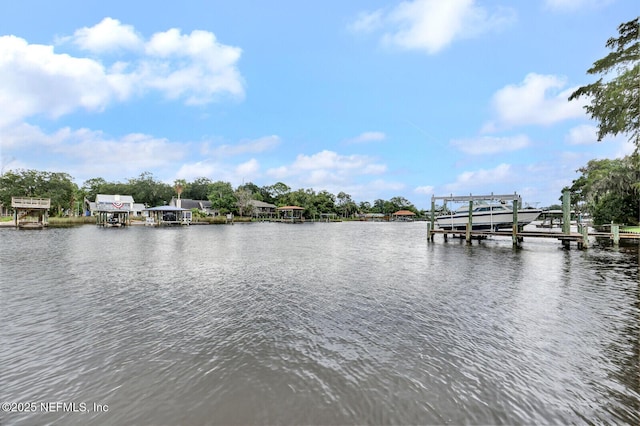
{"x": 404, "y": 213}
{"x": 166, "y": 209}
{"x": 114, "y": 198}
{"x": 291, "y": 208}
{"x": 261, "y": 204}
{"x": 189, "y": 203}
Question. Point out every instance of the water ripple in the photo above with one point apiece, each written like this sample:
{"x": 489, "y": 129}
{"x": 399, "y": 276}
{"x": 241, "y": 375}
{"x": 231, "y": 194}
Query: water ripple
{"x": 348, "y": 323}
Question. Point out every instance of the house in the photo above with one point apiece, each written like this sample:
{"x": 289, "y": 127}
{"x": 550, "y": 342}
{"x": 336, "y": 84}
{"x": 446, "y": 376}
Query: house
{"x": 262, "y": 210}
{"x": 203, "y": 206}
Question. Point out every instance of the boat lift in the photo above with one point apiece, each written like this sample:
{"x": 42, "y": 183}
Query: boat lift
{"x": 515, "y": 198}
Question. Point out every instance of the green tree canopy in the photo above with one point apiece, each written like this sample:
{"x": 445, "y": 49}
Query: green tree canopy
{"x": 609, "y": 190}
{"x": 615, "y": 102}
{"x": 199, "y": 189}
{"x": 59, "y": 187}
{"x": 222, "y": 197}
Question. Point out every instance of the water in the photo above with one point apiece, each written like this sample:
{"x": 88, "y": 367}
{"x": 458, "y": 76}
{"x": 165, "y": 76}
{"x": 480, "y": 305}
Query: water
{"x": 342, "y": 323}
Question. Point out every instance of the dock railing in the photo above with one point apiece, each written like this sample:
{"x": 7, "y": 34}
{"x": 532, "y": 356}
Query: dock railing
{"x": 30, "y": 203}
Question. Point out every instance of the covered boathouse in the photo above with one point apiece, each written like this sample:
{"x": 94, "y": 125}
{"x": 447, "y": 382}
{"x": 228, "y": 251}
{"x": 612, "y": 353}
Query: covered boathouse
{"x": 31, "y": 212}
{"x": 113, "y": 210}
{"x": 168, "y": 215}
{"x": 291, "y": 214}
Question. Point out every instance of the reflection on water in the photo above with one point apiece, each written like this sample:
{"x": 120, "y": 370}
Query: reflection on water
{"x": 343, "y": 323}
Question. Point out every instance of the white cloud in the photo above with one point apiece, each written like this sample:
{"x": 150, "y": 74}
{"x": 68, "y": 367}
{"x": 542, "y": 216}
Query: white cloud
{"x": 196, "y": 66}
{"x": 574, "y": 5}
{"x": 432, "y": 25}
{"x": 248, "y": 169}
{"x": 368, "y": 137}
{"x": 108, "y": 35}
{"x": 34, "y": 79}
{"x": 85, "y": 153}
{"x": 539, "y": 99}
{"x": 490, "y": 144}
{"x": 255, "y": 146}
{"x": 367, "y": 22}
{"x": 327, "y": 167}
{"x": 424, "y": 190}
{"x": 584, "y": 134}
{"x": 481, "y": 179}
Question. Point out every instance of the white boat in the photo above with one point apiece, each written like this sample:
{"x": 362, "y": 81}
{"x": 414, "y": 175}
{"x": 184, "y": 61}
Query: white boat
{"x": 485, "y": 216}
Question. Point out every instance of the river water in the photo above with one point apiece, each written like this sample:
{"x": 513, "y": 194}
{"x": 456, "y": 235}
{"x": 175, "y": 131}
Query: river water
{"x": 327, "y": 323}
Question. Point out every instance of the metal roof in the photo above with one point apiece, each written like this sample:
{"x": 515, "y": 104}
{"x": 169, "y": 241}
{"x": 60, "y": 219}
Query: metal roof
{"x": 291, "y": 208}
{"x": 166, "y": 209}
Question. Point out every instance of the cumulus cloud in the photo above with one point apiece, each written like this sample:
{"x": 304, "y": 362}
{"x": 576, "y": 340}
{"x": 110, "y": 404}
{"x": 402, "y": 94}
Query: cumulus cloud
{"x": 491, "y": 145}
{"x": 87, "y": 153}
{"x": 35, "y": 79}
{"x": 327, "y": 166}
{"x": 574, "y": 5}
{"x": 539, "y": 99}
{"x": 432, "y": 25}
{"x": 368, "y": 137}
{"x": 584, "y": 134}
{"x": 255, "y": 146}
{"x": 107, "y": 36}
{"x": 482, "y": 179}
{"x": 195, "y": 66}
{"x": 424, "y": 190}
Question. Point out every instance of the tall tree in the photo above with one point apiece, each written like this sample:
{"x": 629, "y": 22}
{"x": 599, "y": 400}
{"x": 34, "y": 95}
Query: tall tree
{"x": 222, "y": 197}
{"x": 244, "y": 204}
{"x": 199, "y": 189}
{"x": 615, "y": 102}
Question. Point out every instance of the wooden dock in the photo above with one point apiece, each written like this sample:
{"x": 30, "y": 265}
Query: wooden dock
{"x": 517, "y": 233}
{"x": 580, "y": 239}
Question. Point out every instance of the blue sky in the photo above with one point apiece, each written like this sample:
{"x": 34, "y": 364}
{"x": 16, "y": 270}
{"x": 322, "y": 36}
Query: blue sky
{"x": 374, "y": 98}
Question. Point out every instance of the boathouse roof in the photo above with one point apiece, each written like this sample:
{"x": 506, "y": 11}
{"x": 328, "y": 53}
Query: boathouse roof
{"x": 404, "y": 213}
{"x": 291, "y": 208}
{"x": 261, "y": 204}
{"x": 166, "y": 209}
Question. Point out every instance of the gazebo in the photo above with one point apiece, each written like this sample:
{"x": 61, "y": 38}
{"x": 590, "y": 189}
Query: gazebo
{"x": 291, "y": 214}
{"x": 405, "y": 215}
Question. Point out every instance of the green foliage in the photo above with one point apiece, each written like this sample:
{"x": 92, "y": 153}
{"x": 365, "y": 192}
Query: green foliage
{"x": 222, "y": 197}
{"x": 199, "y": 189}
{"x": 59, "y": 187}
{"x": 615, "y": 103}
{"x": 609, "y": 190}
{"x": 145, "y": 189}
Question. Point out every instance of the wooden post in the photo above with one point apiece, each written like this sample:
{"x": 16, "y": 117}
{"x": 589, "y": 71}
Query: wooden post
{"x": 470, "y": 222}
{"x": 433, "y": 218}
{"x": 615, "y": 233}
{"x": 514, "y": 228}
{"x": 585, "y": 236}
{"x": 566, "y": 212}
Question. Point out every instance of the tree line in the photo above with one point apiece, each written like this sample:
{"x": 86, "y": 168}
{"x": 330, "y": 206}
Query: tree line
{"x": 67, "y": 198}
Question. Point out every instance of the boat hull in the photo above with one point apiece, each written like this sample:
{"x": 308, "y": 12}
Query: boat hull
{"x": 486, "y": 220}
